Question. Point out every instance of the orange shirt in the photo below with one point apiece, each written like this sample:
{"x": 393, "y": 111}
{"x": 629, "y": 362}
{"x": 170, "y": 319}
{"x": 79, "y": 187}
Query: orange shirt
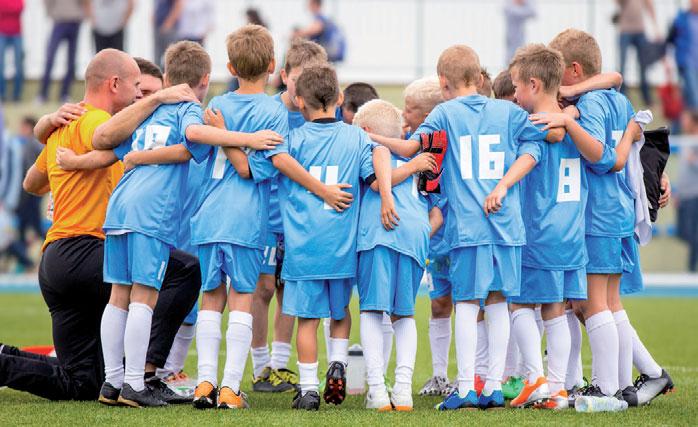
{"x": 79, "y": 197}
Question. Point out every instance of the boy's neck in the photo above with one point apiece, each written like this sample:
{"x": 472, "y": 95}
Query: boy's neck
{"x": 320, "y": 114}
{"x": 248, "y": 87}
{"x": 464, "y": 91}
{"x": 546, "y": 103}
{"x": 288, "y": 103}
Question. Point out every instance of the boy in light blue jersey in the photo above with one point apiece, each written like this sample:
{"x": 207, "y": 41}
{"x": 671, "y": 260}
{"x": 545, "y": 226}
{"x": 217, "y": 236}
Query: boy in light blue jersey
{"x": 391, "y": 263}
{"x": 320, "y": 261}
{"x": 270, "y": 373}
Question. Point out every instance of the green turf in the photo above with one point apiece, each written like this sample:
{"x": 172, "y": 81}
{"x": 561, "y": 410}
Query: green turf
{"x": 667, "y": 326}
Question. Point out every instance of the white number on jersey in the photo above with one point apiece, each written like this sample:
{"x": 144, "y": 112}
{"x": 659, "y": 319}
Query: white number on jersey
{"x": 490, "y": 163}
{"x": 415, "y": 178}
{"x": 331, "y": 177}
{"x": 270, "y": 255}
{"x": 155, "y": 136}
{"x": 569, "y": 181}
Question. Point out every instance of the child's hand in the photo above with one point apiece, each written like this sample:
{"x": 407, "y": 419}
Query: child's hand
{"x": 66, "y": 158}
{"x": 264, "y": 140}
{"x": 214, "y": 118}
{"x": 336, "y": 198}
{"x": 493, "y": 202}
{"x": 67, "y": 113}
{"x": 635, "y": 129}
{"x": 130, "y": 161}
{"x": 389, "y": 216}
{"x": 423, "y": 162}
{"x": 550, "y": 120}
{"x": 572, "y": 111}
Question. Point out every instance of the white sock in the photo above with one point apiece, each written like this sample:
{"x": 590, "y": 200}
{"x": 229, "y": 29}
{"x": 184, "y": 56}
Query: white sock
{"x": 238, "y": 338}
{"x": 643, "y": 360}
{"x": 112, "y": 334}
{"x": 326, "y": 333}
{"x": 575, "y": 373}
{"x": 511, "y": 364}
{"x": 625, "y": 349}
{"x": 481, "y": 354}
{"x": 466, "y": 342}
{"x": 372, "y": 344}
{"x": 280, "y": 353}
{"x": 388, "y": 333}
{"x": 440, "y": 341}
{"x": 308, "y": 377}
{"x": 405, "y": 354}
{"x": 208, "y": 342}
{"x": 528, "y": 339}
{"x": 339, "y": 349}
{"x": 260, "y": 359}
{"x": 178, "y": 353}
{"x": 603, "y": 340}
{"x": 558, "y": 345}
{"x": 136, "y": 340}
{"x": 497, "y": 316}
{"x": 539, "y": 320}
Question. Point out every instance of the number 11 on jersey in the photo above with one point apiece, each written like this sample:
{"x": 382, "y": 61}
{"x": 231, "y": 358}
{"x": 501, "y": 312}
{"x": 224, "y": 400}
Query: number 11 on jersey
{"x": 331, "y": 177}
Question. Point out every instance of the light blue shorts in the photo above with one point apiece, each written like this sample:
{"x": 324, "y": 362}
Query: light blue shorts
{"x": 478, "y": 270}
{"x": 193, "y": 315}
{"x": 135, "y": 258}
{"x": 241, "y": 264}
{"x": 631, "y": 281}
{"x": 546, "y": 286}
{"x": 388, "y": 281}
{"x": 272, "y": 253}
{"x": 437, "y": 277}
{"x": 609, "y": 255}
{"x": 317, "y": 299}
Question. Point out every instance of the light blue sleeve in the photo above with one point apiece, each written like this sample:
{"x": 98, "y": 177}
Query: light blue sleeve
{"x": 124, "y": 148}
{"x": 532, "y": 148}
{"x": 524, "y": 130}
{"x": 366, "y": 156}
{"x": 281, "y": 127}
{"x": 432, "y": 123}
{"x": 592, "y": 117}
{"x": 606, "y": 163}
{"x": 193, "y": 115}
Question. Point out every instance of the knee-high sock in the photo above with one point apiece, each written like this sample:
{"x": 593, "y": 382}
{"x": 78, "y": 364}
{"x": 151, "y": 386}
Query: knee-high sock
{"x": 575, "y": 374}
{"x": 307, "y": 377}
{"x": 339, "y": 349}
{"x": 260, "y": 359}
{"x": 603, "y": 339}
{"x": 498, "y": 323}
{"x": 280, "y": 353}
{"x": 178, "y": 353}
{"x": 558, "y": 345}
{"x": 625, "y": 349}
{"x": 112, "y": 331}
{"x": 372, "y": 343}
{"x": 466, "y": 342}
{"x": 539, "y": 321}
{"x": 208, "y": 342}
{"x": 405, "y": 353}
{"x": 238, "y": 339}
{"x": 482, "y": 359}
{"x": 528, "y": 339}
{"x": 511, "y": 364}
{"x": 136, "y": 339}
{"x": 326, "y": 333}
{"x": 387, "y": 327}
{"x": 643, "y": 360}
{"x": 440, "y": 341}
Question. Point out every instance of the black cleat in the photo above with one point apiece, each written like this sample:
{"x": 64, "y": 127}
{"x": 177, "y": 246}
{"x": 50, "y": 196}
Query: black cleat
{"x": 139, "y": 399}
{"x": 109, "y": 395}
{"x": 649, "y": 388}
{"x": 591, "y": 390}
{"x": 629, "y": 394}
{"x": 161, "y": 391}
{"x": 205, "y": 396}
{"x": 310, "y": 401}
{"x": 335, "y": 383}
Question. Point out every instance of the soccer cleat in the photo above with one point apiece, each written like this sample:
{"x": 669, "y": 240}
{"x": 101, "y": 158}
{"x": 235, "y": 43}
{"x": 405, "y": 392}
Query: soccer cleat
{"x": 263, "y": 383}
{"x": 284, "y": 380}
{"x": 493, "y": 401}
{"x": 402, "y": 401}
{"x": 629, "y": 394}
{"x": 310, "y": 401}
{"x": 435, "y": 386}
{"x": 479, "y": 385}
{"x": 649, "y": 388}
{"x": 453, "y": 401}
{"x": 557, "y": 401}
{"x": 205, "y": 396}
{"x": 591, "y": 390}
{"x": 109, "y": 395}
{"x": 228, "y": 399}
{"x": 450, "y": 388}
{"x": 532, "y": 394}
{"x": 380, "y": 401}
{"x": 163, "y": 392}
{"x": 435, "y": 143}
{"x": 511, "y": 387}
{"x": 138, "y": 399}
{"x": 575, "y": 392}
{"x": 335, "y": 383}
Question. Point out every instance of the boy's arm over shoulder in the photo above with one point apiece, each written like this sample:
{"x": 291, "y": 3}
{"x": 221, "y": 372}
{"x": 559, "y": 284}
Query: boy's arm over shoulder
{"x": 524, "y": 130}
{"x": 191, "y": 114}
{"x": 95, "y": 159}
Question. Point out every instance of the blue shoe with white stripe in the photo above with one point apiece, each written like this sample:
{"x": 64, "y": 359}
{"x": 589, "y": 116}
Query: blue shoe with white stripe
{"x": 453, "y": 401}
{"x": 493, "y": 401}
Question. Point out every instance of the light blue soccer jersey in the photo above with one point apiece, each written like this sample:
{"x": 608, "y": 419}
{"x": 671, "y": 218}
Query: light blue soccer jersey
{"x": 485, "y": 137}
{"x": 233, "y": 209}
{"x": 295, "y": 120}
{"x": 610, "y": 212}
{"x": 437, "y": 244}
{"x": 411, "y": 236}
{"x": 320, "y": 243}
{"x": 149, "y": 198}
{"x": 195, "y": 182}
{"x": 553, "y": 197}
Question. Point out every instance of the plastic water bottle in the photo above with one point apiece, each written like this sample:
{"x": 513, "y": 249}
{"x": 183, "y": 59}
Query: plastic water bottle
{"x": 599, "y": 404}
{"x": 356, "y": 370}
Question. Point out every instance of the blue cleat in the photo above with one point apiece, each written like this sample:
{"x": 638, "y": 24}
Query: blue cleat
{"x": 493, "y": 401}
{"x": 453, "y": 401}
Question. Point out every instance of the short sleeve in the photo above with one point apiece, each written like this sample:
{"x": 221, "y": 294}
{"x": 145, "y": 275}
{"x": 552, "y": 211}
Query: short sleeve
{"x": 193, "y": 115}
{"x": 592, "y": 118}
{"x": 89, "y": 123}
{"x": 432, "y": 123}
{"x": 524, "y": 130}
{"x": 261, "y": 167}
{"x": 280, "y": 126}
{"x": 532, "y": 148}
{"x": 121, "y": 150}
{"x": 366, "y": 156}
{"x": 41, "y": 162}
{"x": 606, "y": 163}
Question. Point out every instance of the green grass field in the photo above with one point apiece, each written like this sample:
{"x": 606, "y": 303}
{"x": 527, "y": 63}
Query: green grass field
{"x": 667, "y": 326}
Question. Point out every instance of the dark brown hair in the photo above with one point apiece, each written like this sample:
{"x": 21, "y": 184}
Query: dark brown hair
{"x": 318, "y": 86}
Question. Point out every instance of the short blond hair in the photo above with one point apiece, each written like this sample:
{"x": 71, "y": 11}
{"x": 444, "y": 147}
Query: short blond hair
{"x": 250, "y": 51}
{"x": 540, "y": 62}
{"x": 303, "y": 53}
{"x": 425, "y": 92}
{"x": 186, "y": 62}
{"x": 580, "y": 47}
{"x": 459, "y": 64}
{"x": 382, "y": 117}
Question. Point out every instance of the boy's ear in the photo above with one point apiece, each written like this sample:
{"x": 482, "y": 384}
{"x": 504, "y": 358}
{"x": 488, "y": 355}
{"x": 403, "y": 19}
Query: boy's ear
{"x": 232, "y": 70}
{"x": 340, "y": 99}
{"x": 272, "y": 67}
{"x": 300, "y": 102}
{"x": 366, "y": 128}
{"x": 205, "y": 79}
{"x": 165, "y": 80}
{"x": 283, "y": 75}
{"x": 577, "y": 69}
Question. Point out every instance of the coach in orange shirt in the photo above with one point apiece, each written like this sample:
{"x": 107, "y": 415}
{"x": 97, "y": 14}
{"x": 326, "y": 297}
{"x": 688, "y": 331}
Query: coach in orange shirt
{"x": 70, "y": 274}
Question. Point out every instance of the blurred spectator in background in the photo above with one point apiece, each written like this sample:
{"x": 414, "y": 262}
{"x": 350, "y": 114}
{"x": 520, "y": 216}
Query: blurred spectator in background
{"x": 324, "y": 32}
{"x": 109, "y": 19}
{"x": 253, "y": 17}
{"x": 684, "y": 36}
{"x": 686, "y": 192}
{"x": 631, "y": 24}
{"x": 11, "y": 36}
{"x": 516, "y": 13}
{"x": 196, "y": 20}
{"x": 67, "y": 15}
{"x": 167, "y": 13}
